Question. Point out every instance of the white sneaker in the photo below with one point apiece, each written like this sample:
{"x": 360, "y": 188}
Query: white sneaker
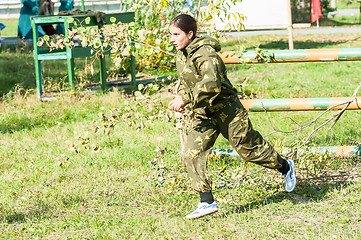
{"x": 290, "y": 177}
{"x": 203, "y": 210}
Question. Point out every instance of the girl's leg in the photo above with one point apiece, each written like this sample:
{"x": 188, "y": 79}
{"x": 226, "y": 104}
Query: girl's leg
{"x": 199, "y": 140}
{"x": 250, "y": 145}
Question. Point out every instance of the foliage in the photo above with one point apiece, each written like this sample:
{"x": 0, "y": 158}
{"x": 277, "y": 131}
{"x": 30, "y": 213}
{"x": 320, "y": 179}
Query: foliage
{"x": 261, "y": 56}
{"x": 149, "y": 32}
{"x": 325, "y": 7}
{"x": 151, "y": 28}
{"x": 221, "y": 10}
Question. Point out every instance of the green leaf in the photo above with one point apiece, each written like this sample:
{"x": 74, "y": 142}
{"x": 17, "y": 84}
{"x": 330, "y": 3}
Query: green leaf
{"x": 140, "y": 87}
{"x": 169, "y": 48}
{"x": 87, "y": 20}
{"x": 131, "y": 24}
{"x": 155, "y": 87}
{"x": 96, "y": 45}
{"x": 70, "y": 20}
{"x": 137, "y": 94}
{"x": 113, "y": 19}
{"x": 149, "y": 52}
{"x": 46, "y": 37}
{"x": 209, "y": 17}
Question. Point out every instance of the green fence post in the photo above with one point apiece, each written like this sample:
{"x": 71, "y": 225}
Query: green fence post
{"x": 39, "y": 86}
{"x": 103, "y": 74}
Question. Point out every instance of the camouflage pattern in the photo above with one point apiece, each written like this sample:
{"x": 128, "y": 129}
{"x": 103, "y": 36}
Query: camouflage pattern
{"x": 233, "y": 123}
{"x": 202, "y": 73}
{"x": 207, "y": 91}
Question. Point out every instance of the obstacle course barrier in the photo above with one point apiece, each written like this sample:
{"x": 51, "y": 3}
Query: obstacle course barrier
{"x": 332, "y": 151}
{"x": 298, "y": 104}
{"x": 299, "y": 55}
{"x": 301, "y": 104}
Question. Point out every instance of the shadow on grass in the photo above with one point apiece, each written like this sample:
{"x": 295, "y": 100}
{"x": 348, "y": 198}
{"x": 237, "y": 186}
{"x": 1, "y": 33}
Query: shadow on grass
{"x": 17, "y": 217}
{"x": 42, "y": 210}
{"x": 307, "y": 190}
{"x": 33, "y": 213}
{"x": 13, "y": 129}
{"x": 21, "y": 123}
{"x": 329, "y": 22}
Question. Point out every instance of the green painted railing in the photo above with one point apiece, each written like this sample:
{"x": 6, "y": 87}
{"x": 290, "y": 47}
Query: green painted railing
{"x": 301, "y": 104}
{"x": 297, "y": 55}
{"x": 340, "y": 151}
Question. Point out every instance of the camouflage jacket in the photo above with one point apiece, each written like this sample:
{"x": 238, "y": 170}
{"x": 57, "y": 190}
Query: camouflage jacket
{"x": 204, "y": 87}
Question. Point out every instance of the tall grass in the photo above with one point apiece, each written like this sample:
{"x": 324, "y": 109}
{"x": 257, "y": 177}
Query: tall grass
{"x": 91, "y": 165}
{"x": 63, "y": 179}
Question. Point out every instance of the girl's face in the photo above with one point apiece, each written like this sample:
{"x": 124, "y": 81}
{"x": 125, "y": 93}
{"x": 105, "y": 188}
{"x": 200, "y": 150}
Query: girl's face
{"x": 179, "y": 38}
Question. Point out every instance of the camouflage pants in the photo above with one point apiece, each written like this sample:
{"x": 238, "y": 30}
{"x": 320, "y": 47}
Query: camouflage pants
{"x": 233, "y": 123}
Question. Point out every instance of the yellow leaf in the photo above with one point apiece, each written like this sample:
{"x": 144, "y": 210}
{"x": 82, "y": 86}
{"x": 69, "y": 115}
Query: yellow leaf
{"x": 70, "y": 20}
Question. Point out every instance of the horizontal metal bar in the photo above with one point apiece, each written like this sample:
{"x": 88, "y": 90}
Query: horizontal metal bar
{"x": 300, "y": 104}
{"x": 340, "y": 151}
{"x": 297, "y": 55}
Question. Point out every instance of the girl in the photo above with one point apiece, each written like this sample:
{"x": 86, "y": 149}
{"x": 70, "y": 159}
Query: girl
{"x": 206, "y": 90}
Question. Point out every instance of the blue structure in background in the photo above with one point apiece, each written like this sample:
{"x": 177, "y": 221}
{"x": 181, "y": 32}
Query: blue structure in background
{"x": 65, "y": 5}
{"x": 2, "y": 26}
{"x": 30, "y": 8}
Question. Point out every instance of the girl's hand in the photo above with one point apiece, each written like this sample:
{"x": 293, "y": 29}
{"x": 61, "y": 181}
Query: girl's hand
{"x": 177, "y": 104}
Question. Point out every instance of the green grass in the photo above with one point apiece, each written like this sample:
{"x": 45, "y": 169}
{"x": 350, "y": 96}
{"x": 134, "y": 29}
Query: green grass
{"x": 17, "y": 70}
{"x": 11, "y": 27}
{"x": 343, "y": 21}
{"x": 347, "y": 4}
{"x": 56, "y": 186}
{"x": 84, "y": 167}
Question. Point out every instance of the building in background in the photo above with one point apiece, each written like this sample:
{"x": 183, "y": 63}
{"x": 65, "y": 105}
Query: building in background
{"x": 269, "y": 14}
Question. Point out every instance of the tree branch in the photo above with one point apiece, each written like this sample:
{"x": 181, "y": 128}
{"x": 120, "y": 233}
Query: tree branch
{"x": 156, "y": 48}
{"x": 335, "y": 117}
